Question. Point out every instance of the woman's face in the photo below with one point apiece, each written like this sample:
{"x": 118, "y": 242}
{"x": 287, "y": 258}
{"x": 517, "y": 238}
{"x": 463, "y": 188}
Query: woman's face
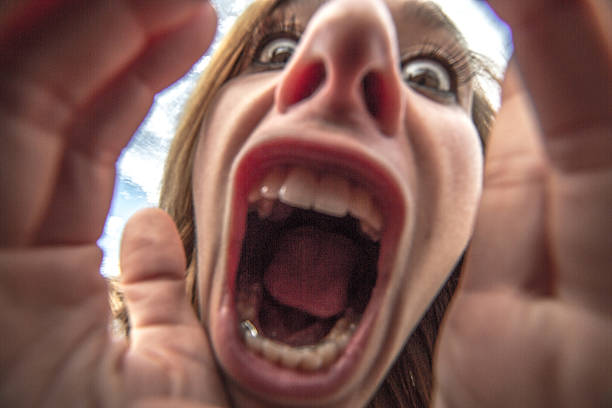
{"x": 334, "y": 192}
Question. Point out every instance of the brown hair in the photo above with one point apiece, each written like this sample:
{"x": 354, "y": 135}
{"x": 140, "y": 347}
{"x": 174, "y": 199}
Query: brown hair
{"x": 409, "y": 382}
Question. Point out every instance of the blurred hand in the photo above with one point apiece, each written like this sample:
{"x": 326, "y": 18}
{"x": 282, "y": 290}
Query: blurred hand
{"x": 76, "y": 79}
{"x": 531, "y": 325}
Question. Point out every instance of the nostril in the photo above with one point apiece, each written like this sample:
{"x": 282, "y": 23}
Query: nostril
{"x": 383, "y": 100}
{"x": 373, "y": 93}
{"x": 306, "y": 82}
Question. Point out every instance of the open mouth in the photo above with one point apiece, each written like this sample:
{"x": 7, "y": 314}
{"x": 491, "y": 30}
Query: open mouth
{"x": 311, "y": 249}
{"x": 308, "y": 266}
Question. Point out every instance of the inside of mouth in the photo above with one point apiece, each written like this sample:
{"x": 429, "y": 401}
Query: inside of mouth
{"x": 302, "y": 275}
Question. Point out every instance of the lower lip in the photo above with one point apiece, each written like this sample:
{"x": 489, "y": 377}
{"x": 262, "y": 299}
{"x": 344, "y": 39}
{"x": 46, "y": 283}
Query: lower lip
{"x": 264, "y": 378}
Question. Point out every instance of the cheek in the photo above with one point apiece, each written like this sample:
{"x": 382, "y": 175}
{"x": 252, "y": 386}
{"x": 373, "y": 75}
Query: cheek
{"x": 448, "y": 156}
{"x": 463, "y": 153}
{"x": 448, "y": 166}
{"x": 235, "y": 112}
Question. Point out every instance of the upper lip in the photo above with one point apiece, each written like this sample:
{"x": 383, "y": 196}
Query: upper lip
{"x": 352, "y": 161}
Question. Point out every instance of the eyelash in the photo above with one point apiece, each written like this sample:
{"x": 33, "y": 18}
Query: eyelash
{"x": 271, "y": 30}
{"x": 457, "y": 60}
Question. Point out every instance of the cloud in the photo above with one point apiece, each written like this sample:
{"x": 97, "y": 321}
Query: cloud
{"x": 109, "y": 242}
{"x": 142, "y": 163}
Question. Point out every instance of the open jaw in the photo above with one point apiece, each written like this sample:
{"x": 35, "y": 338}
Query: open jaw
{"x": 308, "y": 266}
{"x": 313, "y": 241}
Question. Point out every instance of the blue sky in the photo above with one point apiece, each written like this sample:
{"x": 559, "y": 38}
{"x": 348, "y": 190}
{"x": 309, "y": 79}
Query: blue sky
{"x": 141, "y": 164}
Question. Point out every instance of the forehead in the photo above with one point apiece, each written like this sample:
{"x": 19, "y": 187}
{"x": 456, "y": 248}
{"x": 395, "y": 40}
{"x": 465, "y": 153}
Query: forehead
{"x": 412, "y": 18}
{"x": 424, "y": 11}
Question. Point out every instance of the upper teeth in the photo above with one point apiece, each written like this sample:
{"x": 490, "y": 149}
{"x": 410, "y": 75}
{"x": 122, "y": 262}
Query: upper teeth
{"x": 326, "y": 193}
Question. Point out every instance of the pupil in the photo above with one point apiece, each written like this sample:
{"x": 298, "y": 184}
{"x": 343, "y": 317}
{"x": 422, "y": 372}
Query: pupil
{"x": 281, "y": 54}
{"x": 426, "y": 79}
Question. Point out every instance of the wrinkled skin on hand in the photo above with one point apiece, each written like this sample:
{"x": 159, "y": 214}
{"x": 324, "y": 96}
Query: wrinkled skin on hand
{"x": 77, "y": 79}
{"x": 531, "y": 325}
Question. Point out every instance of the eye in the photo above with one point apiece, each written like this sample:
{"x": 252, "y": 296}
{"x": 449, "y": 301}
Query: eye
{"x": 428, "y": 76}
{"x": 277, "y": 52}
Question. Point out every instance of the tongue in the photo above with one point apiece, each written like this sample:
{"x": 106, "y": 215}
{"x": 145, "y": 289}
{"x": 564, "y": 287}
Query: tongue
{"x": 311, "y": 271}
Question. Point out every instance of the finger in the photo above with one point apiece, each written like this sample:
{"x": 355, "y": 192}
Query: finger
{"x": 103, "y": 130}
{"x": 56, "y": 83}
{"x": 152, "y": 272}
{"x": 53, "y": 306}
{"x": 508, "y": 247}
{"x": 165, "y": 333}
{"x": 72, "y": 53}
{"x": 122, "y": 105}
{"x": 565, "y": 52}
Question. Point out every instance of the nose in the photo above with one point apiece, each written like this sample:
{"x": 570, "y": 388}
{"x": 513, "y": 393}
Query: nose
{"x": 347, "y": 63}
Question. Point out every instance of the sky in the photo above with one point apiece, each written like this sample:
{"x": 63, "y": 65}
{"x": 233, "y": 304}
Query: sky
{"x": 139, "y": 169}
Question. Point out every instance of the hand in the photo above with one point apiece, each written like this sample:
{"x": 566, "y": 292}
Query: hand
{"x": 531, "y": 325}
{"x": 76, "y": 80}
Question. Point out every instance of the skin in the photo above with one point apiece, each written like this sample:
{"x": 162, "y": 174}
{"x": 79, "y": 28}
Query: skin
{"x": 535, "y": 293}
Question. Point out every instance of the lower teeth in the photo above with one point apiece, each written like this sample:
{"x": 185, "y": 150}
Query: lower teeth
{"x": 307, "y": 358}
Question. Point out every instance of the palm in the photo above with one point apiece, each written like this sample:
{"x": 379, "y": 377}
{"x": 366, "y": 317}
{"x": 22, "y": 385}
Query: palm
{"x": 69, "y": 105}
{"x": 532, "y": 323}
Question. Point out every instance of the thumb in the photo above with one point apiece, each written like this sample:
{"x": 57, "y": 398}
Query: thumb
{"x": 153, "y": 265}
{"x": 166, "y": 339}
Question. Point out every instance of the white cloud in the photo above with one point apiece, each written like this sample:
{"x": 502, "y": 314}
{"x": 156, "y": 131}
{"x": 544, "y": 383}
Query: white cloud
{"x": 114, "y": 225}
{"x": 110, "y": 243}
{"x": 144, "y": 168}
{"x": 230, "y": 7}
